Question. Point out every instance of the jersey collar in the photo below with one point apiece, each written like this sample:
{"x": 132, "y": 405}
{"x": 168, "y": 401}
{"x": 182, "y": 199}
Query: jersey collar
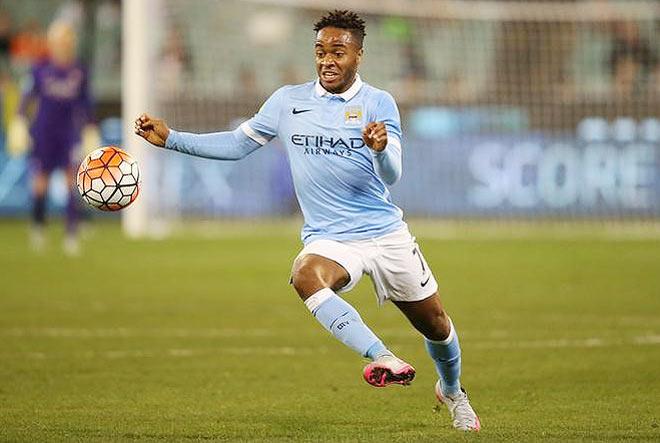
{"x": 346, "y": 95}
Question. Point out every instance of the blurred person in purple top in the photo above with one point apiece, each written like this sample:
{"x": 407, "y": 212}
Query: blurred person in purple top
{"x": 61, "y": 104}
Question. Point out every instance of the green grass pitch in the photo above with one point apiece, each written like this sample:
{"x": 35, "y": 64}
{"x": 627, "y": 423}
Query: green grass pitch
{"x": 199, "y": 337}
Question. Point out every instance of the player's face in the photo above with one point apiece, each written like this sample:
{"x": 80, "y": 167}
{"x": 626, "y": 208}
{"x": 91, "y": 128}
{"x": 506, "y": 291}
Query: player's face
{"x": 338, "y": 56}
{"x": 62, "y": 44}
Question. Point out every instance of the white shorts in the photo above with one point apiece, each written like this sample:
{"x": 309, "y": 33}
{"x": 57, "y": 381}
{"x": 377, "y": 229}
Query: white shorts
{"x": 393, "y": 261}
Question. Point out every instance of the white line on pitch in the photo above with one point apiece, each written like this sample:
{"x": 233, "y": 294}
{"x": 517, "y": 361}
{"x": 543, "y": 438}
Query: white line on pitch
{"x": 132, "y": 333}
{"x": 592, "y": 342}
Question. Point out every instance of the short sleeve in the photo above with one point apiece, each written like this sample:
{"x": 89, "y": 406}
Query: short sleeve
{"x": 264, "y": 125}
{"x": 388, "y": 113}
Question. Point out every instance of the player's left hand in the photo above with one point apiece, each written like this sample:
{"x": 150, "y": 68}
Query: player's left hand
{"x": 375, "y": 136}
{"x": 18, "y": 136}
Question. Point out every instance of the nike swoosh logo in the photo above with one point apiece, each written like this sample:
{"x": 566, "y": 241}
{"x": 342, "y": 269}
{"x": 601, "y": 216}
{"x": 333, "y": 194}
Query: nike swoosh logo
{"x": 300, "y": 111}
{"x": 426, "y": 281}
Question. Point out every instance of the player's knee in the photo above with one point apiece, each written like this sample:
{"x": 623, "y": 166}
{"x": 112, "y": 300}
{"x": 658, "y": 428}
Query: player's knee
{"x": 305, "y": 277}
{"x": 309, "y": 276}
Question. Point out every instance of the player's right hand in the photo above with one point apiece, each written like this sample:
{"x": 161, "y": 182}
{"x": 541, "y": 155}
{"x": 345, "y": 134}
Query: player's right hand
{"x": 153, "y": 130}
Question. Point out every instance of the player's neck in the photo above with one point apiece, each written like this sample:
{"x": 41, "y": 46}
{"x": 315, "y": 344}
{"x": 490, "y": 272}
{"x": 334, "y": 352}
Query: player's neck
{"x": 344, "y": 89}
{"x": 349, "y": 85}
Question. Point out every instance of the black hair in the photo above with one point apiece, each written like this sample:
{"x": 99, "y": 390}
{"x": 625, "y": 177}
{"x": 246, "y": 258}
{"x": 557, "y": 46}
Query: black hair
{"x": 343, "y": 19}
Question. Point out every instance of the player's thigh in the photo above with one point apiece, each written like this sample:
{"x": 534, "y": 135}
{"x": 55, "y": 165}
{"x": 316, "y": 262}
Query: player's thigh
{"x": 326, "y": 263}
{"x": 399, "y": 271}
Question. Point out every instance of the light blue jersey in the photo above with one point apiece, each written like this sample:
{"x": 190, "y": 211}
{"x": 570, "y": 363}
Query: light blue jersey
{"x": 341, "y": 192}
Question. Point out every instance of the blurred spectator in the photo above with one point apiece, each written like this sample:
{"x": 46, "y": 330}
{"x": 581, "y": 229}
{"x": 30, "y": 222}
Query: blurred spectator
{"x": 104, "y": 44}
{"x": 175, "y": 61}
{"x": 290, "y": 74}
{"x": 247, "y": 85}
{"x": 5, "y": 37}
{"x": 632, "y": 60}
{"x": 5, "y": 79}
{"x": 414, "y": 67}
{"x": 107, "y": 56}
{"x": 412, "y": 82}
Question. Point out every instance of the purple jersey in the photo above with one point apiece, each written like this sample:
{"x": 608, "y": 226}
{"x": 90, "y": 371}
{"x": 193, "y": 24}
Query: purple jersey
{"x": 63, "y": 107}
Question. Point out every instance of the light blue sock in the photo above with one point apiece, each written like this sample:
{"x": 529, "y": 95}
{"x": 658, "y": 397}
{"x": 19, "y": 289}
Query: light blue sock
{"x": 446, "y": 355}
{"x": 344, "y": 322}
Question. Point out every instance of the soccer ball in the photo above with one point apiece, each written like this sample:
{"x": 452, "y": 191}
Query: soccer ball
{"x": 109, "y": 179}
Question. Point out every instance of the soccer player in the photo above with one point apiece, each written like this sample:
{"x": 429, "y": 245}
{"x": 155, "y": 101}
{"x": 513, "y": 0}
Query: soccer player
{"x": 59, "y": 88}
{"x": 343, "y": 139}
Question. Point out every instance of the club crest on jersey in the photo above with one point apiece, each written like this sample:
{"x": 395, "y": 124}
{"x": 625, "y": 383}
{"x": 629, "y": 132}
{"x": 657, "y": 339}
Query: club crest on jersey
{"x": 353, "y": 115}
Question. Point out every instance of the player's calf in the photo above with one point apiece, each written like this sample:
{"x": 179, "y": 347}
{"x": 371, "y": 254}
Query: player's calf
{"x": 345, "y": 324}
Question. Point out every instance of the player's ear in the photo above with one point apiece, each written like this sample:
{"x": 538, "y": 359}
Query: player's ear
{"x": 360, "y": 53}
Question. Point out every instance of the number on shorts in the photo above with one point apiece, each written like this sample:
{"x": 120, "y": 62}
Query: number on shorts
{"x": 416, "y": 252}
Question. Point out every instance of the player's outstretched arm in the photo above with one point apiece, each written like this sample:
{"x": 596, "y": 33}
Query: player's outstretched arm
{"x": 387, "y": 152}
{"x": 153, "y": 130}
{"x": 227, "y": 145}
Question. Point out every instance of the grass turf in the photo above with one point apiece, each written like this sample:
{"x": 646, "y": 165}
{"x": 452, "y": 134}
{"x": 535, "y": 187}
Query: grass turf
{"x": 200, "y": 338}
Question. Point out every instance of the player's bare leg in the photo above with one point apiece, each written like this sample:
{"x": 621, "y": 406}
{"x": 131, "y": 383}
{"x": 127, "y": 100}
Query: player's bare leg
{"x": 427, "y": 316}
{"x": 316, "y": 279}
{"x": 39, "y": 188}
{"x": 311, "y": 273}
{"x": 441, "y": 339}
